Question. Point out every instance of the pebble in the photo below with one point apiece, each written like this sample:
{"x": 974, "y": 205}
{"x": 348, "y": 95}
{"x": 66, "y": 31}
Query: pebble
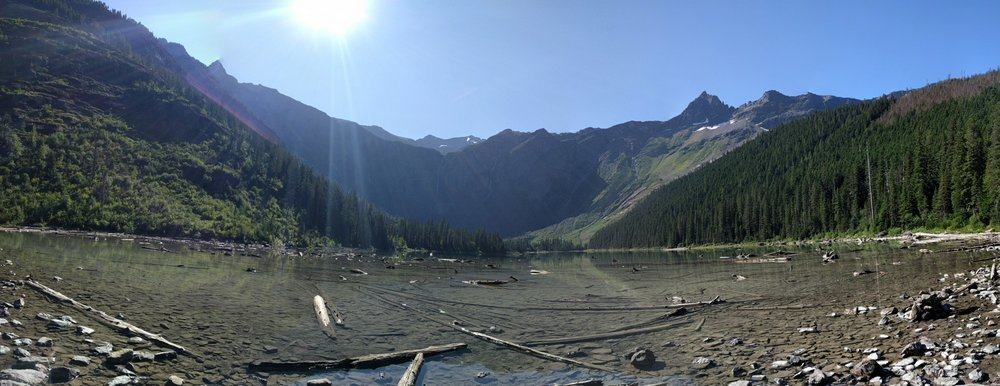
{"x": 319, "y": 382}
{"x": 44, "y": 342}
{"x": 175, "y": 380}
{"x": 84, "y": 330}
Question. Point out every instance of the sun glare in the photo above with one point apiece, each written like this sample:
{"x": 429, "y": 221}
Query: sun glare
{"x": 336, "y": 17}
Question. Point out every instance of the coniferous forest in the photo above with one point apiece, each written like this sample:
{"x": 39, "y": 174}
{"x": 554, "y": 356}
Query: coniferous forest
{"x": 934, "y": 163}
{"x": 98, "y": 134}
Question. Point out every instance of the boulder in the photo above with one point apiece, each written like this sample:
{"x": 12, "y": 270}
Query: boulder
{"x": 28, "y": 376}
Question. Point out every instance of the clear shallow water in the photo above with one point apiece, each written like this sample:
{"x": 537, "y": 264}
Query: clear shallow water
{"x": 210, "y": 303}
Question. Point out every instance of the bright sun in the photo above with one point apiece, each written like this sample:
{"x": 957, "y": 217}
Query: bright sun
{"x": 336, "y": 17}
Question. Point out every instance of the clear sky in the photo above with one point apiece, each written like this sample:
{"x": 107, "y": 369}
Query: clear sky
{"x": 460, "y": 67}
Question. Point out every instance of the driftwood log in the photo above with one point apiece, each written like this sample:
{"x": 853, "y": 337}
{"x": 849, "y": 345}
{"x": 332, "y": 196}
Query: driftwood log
{"x": 508, "y": 344}
{"x": 364, "y": 361}
{"x": 102, "y": 317}
{"x": 410, "y": 375}
{"x": 323, "y": 317}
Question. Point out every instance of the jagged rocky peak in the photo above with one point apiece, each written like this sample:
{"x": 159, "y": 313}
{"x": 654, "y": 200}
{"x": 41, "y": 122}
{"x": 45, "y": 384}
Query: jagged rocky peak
{"x": 774, "y": 108}
{"x": 217, "y": 68}
{"x": 706, "y": 109}
{"x": 773, "y": 95}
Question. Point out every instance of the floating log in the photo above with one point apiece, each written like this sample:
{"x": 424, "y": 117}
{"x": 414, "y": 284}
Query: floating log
{"x": 117, "y": 324}
{"x": 323, "y": 317}
{"x": 410, "y": 375}
{"x": 364, "y": 361}
{"x": 604, "y": 336}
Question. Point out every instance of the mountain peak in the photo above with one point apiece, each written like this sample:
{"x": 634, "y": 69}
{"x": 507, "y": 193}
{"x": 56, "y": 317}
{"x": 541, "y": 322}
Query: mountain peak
{"x": 705, "y": 109}
{"x": 217, "y": 68}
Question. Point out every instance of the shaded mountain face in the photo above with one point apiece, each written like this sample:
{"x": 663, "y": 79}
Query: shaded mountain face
{"x": 513, "y": 182}
{"x": 449, "y": 145}
{"x": 106, "y": 127}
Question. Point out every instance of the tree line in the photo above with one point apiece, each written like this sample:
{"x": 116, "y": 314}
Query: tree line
{"x": 932, "y": 165}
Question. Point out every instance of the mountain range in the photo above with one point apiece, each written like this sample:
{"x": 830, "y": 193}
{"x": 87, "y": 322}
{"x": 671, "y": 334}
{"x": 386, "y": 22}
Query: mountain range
{"x": 514, "y": 182}
{"x": 83, "y": 85}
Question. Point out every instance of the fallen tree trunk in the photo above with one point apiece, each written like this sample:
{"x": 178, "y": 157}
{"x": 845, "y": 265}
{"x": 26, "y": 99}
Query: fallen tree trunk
{"x": 323, "y": 317}
{"x": 608, "y": 335}
{"x": 505, "y": 343}
{"x": 410, "y": 375}
{"x": 117, "y": 324}
{"x": 364, "y": 361}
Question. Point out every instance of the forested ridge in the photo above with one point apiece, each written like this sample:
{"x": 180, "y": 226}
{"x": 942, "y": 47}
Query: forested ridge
{"x": 98, "y": 132}
{"x": 935, "y": 163}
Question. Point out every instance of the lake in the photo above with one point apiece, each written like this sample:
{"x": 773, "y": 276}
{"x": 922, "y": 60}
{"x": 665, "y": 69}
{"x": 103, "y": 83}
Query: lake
{"x": 230, "y": 316}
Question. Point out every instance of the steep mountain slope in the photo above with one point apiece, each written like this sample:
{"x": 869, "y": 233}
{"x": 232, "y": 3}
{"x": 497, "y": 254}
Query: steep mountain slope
{"x": 101, "y": 130}
{"x": 935, "y": 162}
{"x": 704, "y": 131}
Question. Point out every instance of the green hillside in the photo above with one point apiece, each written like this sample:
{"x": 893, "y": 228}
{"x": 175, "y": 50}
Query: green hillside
{"x": 99, "y": 132}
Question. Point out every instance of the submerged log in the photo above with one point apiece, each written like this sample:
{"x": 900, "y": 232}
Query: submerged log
{"x": 323, "y": 317}
{"x": 410, "y": 375}
{"x": 107, "y": 320}
{"x": 508, "y": 344}
{"x": 490, "y": 282}
{"x": 364, "y": 361}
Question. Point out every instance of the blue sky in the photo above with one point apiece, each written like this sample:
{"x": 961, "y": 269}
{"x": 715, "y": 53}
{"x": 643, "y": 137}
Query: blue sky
{"x": 460, "y": 67}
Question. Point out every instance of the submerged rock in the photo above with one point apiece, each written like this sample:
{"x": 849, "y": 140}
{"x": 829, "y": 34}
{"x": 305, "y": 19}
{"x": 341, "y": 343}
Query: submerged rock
{"x": 914, "y": 349}
{"x": 63, "y": 374}
{"x": 104, "y": 348}
{"x": 319, "y": 382}
{"x": 174, "y": 380}
{"x": 80, "y": 360}
{"x": 702, "y": 363}
{"x": 866, "y": 369}
{"x": 28, "y": 376}
{"x": 641, "y": 358}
